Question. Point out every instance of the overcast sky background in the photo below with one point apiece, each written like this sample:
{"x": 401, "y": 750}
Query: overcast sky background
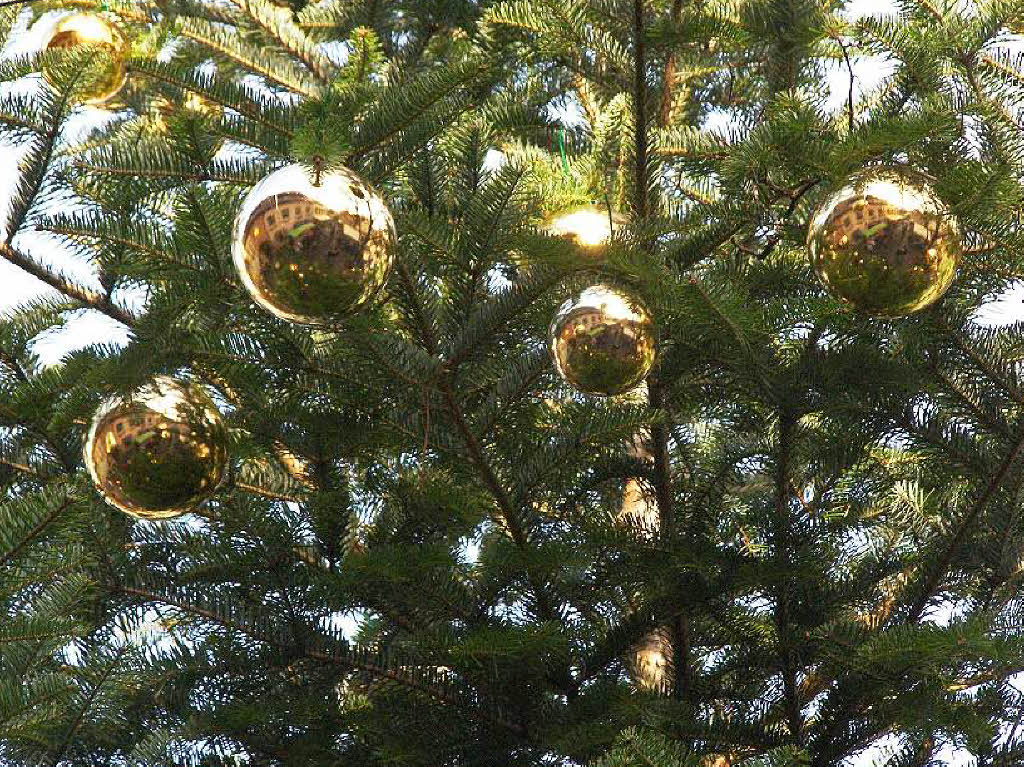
{"x": 90, "y": 327}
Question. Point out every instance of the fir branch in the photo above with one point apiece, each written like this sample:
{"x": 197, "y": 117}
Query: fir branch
{"x": 938, "y": 571}
{"x": 280, "y": 26}
{"x": 37, "y": 530}
{"x": 669, "y": 76}
{"x": 97, "y": 686}
{"x": 89, "y": 298}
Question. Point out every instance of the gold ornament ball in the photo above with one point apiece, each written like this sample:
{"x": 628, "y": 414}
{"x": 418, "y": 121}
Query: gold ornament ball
{"x": 588, "y": 227}
{"x": 106, "y": 79}
{"x": 602, "y": 341}
{"x": 885, "y": 243}
{"x": 159, "y": 453}
{"x": 313, "y": 253}
{"x": 193, "y": 104}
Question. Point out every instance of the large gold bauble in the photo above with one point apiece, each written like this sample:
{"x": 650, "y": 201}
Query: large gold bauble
{"x": 309, "y": 253}
{"x": 159, "y": 453}
{"x": 603, "y": 341}
{"x": 588, "y": 227}
{"x": 885, "y": 243}
{"x": 104, "y": 80}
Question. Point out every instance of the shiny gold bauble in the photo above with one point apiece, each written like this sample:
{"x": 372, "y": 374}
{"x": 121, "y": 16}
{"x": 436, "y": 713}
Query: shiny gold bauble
{"x": 107, "y": 77}
{"x": 588, "y": 227}
{"x": 313, "y": 253}
{"x": 885, "y": 243}
{"x": 160, "y": 452}
{"x": 603, "y": 341}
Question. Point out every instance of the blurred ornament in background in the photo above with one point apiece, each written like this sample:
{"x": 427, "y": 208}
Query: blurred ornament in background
{"x": 105, "y": 79}
{"x": 602, "y": 341}
{"x": 885, "y": 243}
{"x": 191, "y": 104}
{"x": 313, "y": 253}
{"x": 649, "y": 662}
{"x": 588, "y": 227}
{"x": 159, "y": 453}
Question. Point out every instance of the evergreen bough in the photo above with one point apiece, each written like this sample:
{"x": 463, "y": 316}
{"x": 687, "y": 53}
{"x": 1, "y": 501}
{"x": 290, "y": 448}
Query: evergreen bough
{"x": 836, "y": 546}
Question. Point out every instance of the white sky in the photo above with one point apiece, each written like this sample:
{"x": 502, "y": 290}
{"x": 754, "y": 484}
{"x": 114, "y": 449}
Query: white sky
{"x": 89, "y": 327}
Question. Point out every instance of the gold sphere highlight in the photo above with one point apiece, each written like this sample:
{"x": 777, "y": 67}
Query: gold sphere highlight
{"x": 885, "y": 243}
{"x": 602, "y": 341}
{"x": 588, "y": 227}
{"x": 312, "y": 254}
{"x": 160, "y": 453}
{"x": 105, "y": 80}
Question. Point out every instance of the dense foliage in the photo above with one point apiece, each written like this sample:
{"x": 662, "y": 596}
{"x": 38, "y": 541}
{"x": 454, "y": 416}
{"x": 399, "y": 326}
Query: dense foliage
{"x": 831, "y": 538}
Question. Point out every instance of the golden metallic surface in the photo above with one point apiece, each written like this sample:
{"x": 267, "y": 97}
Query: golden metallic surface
{"x": 588, "y": 227}
{"x": 160, "y": 453}
{"x": 105, "y": 80}
{"x": 313, "y": 254}
{"x": 602, "y": 341}
{"x": 885, "y": 243}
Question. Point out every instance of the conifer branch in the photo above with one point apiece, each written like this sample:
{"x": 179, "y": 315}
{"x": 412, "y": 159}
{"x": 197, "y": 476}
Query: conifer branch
{"x": 262, "y": 633}
{"x": 783, "y": 591}
{"x": 987, "y": 368}
{"x": 89, "y": 298}
{"x": 938, "y": 571}
{"x": 508, "y": 511}
{"x": 35, "y": 532}
{"x": 87, "y": 704}
{"x": 642, "y": 178}
{"x": 669, "y": 82}
{"x": 302, "y": 50}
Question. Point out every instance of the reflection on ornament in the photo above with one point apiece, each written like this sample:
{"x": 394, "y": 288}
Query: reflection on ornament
{"x": 602, "y": 341}
{"x": 159, "y": 453}
{"x": 105, "y": 79}
{"x": 885, "y": 243}
{"x": 312, "y": 254}
{"x": 589, "y": 227}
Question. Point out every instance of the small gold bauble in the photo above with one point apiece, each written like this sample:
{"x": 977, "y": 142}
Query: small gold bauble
{"x": 160, "y": 452}
{"x": 602, "y": 341}
{"x": 310, "y": 253}
{"x": 588, "y": 227}
{"x": 191, "y": 103}
{"x": 105, "y": 80}
{"x": 885, "y": 243}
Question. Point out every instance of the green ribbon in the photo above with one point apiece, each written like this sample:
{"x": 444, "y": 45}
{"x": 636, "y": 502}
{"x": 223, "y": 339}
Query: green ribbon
{"x": 561, "y": 149}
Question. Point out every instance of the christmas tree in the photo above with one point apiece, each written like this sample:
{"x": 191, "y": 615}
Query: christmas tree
{"x": 371, "y": 522}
